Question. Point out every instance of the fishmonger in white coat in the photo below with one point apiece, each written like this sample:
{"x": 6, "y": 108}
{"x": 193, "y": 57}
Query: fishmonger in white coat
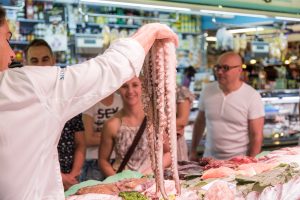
{"x": 35, "y": 103}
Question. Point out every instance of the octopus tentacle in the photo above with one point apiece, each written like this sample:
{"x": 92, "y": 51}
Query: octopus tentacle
{"x": 148, "y": 106}
{"x": 159, "y": 84}
{"x": 170, "y": 108}
{"x": 160, "y": 91}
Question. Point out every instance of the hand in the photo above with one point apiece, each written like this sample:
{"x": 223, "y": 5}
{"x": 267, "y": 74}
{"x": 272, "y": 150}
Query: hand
{"x": 180, "y": 133}
{"x": 193, "y": 156}
{"x": 148, "y": 33}
{"x": 68, "y": 180}
{"x": 147, "y": 171}
{"x": 164, "y": 32}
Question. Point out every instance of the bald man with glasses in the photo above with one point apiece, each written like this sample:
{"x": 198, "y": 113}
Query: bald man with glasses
{"x": 232, "y": 113}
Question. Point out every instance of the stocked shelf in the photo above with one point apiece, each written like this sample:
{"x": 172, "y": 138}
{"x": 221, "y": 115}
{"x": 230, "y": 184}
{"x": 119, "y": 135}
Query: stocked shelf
{"x": 16, "y": 42}
{"x": 110, "y": 25}
{"x": 84, "y": 30}
{"x": 189, "y": 33}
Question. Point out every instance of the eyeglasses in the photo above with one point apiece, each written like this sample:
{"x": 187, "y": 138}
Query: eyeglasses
{"x": 224, "y": 68}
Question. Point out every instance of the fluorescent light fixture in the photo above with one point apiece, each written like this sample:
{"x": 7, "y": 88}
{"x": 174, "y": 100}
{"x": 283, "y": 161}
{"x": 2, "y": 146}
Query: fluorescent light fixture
{"x": 288, "y": 18}
{"x": 216, "y": 12}
{"x": 211, "y": 39}
{"x": 137, "y": 5}
{"x": 245, "y": 30}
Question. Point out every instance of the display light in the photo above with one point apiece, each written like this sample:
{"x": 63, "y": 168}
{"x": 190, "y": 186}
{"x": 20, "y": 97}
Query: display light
{"x": 245, "y": 30}
{"x": 217, "y": 12}
{"x": 288, "y": 18}
{"x": 252, "y": 61}
{"x": 136, "y": 5}
{"x": 211, "y": 39}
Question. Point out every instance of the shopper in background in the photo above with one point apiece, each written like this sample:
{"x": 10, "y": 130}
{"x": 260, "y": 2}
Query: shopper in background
{"x": 39, "y": 53}
{"x": 184, "y": 100}
{"x": 71, "y": 145}
{"x": 93, "y": 120}
{"x": 188, "y": 76}
{"x": 36, "y": 102}
{"x": 120, "y": 130}
{"x": 232, "y": 112}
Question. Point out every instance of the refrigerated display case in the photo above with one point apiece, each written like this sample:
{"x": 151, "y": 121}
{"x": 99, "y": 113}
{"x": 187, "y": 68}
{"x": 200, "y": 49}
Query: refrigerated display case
{"x": 282, "y": 120}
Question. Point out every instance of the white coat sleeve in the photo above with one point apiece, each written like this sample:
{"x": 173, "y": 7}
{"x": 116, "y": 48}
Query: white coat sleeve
{"x": 71, "y": 90}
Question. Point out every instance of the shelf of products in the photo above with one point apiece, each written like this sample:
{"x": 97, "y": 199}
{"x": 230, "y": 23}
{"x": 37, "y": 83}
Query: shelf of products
{"x": 42, "y": 19}
{"x": 16, "y": 42}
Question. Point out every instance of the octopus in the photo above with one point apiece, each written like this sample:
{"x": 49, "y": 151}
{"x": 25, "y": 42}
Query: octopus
{"x": 159, "y": 91}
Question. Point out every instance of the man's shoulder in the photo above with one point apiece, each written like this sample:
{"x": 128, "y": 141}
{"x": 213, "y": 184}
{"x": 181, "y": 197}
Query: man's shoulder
{"x": 211, "y": 87}
{"x": 249, "y": 89}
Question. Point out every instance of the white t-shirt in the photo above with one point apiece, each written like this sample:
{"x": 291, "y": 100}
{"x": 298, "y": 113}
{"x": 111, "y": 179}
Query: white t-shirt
{"x": 227, "y": 119}
{"x": 100, "y": 113}
{"x": 36, "y": 102}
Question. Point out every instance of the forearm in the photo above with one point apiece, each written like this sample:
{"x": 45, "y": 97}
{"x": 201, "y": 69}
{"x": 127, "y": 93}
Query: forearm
{"x": 181, "y": 123}
{"x": 166, "y": 160}
{"x": 255, "y": 136}
{"x": 255, "y": 144}
{"x": 198, "y": 130}
{"x": 106, "y": 167}
{"x": 197, "y": 136}
{"x": 79, "y": 158}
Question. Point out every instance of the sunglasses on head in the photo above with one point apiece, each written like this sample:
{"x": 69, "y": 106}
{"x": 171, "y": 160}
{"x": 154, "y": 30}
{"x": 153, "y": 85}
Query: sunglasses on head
{"x": 224, "y": 68}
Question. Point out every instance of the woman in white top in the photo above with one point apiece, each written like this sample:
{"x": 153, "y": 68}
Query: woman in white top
{"x": 120, "y": 130}
{"x": 93, "y": 120}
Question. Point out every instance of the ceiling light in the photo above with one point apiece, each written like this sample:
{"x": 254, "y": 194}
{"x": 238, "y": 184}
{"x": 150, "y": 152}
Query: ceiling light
{"x": 245, "y": 30}
{"x": 288, "y": 18}
{"x": 137, "y": 5}
{"x": 216, "y": 12}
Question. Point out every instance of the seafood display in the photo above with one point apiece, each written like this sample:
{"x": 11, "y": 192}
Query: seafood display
{"x": 273, "y": 176}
